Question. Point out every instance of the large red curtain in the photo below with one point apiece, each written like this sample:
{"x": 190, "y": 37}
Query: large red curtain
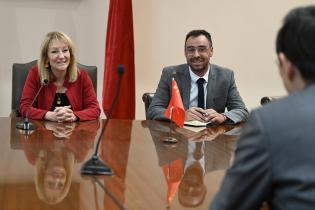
{"x": 119, "y": 50}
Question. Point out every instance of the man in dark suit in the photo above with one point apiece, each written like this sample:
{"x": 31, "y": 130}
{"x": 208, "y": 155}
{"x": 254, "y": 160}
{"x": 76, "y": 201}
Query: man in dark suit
{"x": 217, "y": 84}
{"x": 274, "y": 160}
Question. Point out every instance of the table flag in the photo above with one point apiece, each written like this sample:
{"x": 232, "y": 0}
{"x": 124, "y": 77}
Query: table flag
{"x": 175, "y": 110}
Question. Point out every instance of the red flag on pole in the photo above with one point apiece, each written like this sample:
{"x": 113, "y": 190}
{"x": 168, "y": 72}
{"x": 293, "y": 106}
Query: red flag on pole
{"x": 175, "y": 110}
{"x": 119, "y": 50}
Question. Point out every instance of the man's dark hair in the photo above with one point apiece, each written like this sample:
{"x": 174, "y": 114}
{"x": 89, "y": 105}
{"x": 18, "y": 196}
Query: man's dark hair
{"x": 296, "y": 39}
{"x": 195, "y": 33}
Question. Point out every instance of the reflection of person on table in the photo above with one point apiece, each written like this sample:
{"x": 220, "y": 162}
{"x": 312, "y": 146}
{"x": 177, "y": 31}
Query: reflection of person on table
{"x": 69, "y": 95}
{"x": 53, "y": 149}
{"x": 206, "y": 134}
{"x": 192, "y": 190}
{"x": 208, "y": 151}
{"x": 54, "y": 167}
{"x": 210, "y": 156}
{"x": 60, "y": 130}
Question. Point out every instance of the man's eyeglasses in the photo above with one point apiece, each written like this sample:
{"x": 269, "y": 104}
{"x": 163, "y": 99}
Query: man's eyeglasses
{"x": 200, "y": 49}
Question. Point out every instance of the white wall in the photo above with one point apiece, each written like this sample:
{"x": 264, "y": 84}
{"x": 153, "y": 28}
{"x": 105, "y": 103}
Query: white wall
{"x": 243, "y": 34}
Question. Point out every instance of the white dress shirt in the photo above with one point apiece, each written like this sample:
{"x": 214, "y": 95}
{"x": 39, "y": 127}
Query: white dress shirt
{"x": 194, "y": 87}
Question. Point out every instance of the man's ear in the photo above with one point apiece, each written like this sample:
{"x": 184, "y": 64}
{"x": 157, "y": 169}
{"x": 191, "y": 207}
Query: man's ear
{"x": 287, "y": 67}
{"x": 211, "y": 51}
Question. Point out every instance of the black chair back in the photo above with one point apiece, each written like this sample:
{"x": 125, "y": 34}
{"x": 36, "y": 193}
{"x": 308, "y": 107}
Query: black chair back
{"x": 147, "y": 99}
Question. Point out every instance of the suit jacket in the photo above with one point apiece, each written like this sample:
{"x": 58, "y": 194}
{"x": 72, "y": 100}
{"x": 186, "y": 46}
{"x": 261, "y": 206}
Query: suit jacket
{"x": 221, "y": 92}
{"x": 276, "y": 155}
{"x": 80, "y": 93}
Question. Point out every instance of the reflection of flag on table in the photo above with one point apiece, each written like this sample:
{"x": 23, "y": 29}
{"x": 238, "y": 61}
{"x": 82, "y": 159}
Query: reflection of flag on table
{"x": 117, "y": 146}
{"x": 175, "y": 110}
{"x": 173, "y": 173}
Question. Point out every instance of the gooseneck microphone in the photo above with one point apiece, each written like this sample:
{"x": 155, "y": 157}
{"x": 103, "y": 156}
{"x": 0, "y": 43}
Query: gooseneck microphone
{"x": 26, "y": 124}
{"x": 95, "y": 166}
{"x": 268, "y": 99}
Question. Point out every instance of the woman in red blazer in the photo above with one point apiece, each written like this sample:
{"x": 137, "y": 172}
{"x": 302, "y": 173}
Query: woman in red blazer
{"x": 69, "y": 94}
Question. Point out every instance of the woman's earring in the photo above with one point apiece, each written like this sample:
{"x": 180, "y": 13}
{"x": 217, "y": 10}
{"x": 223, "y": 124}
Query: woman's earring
{"x": 46, "y": 65}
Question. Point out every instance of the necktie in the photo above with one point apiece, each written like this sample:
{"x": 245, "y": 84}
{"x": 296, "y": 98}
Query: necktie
{"x": 198, "y": 153}
{"x": 201, "y": 93}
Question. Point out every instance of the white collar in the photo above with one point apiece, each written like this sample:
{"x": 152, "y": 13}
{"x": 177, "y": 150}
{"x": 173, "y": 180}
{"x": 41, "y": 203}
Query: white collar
{"x": 194, "y": 77}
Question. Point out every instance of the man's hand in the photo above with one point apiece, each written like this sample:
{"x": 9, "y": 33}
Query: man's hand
{"x": 204, "y": 115}
{"x": 196, "y": 113}
{"x": 214, "y": 117}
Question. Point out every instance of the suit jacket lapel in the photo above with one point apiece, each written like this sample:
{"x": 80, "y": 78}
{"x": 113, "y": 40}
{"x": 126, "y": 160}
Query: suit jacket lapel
{"x": 211, "y": 87}
{"x": 184, "y": 82}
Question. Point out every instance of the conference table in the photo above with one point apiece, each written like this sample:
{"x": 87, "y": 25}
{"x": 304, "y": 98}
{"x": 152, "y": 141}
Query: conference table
{"x": 41, "y": 169}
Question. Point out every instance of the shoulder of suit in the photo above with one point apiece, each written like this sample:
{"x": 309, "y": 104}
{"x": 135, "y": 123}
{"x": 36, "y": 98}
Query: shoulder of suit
{"x": 176, "y": 68}
{"x": 218, "y": 68}
{"x": 274, "y": 111}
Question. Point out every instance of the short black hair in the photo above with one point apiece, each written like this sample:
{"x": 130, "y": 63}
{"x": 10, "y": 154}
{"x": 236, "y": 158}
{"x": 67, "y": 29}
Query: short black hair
{"x": 195, "y": 33}
{"x": 296, "y": 39}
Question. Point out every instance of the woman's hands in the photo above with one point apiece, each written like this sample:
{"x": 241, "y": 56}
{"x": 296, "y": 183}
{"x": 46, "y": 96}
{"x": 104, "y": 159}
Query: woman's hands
{"x": 61, "y": 114}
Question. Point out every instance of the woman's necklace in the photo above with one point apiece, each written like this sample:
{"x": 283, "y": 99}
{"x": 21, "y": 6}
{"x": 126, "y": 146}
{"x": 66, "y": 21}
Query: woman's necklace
{"x": 60, "y": 90}
{"x": 58, "y": 99}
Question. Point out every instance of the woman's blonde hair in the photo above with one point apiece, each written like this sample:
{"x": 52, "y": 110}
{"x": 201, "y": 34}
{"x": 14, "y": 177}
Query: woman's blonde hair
{"x": 43, "y": 64}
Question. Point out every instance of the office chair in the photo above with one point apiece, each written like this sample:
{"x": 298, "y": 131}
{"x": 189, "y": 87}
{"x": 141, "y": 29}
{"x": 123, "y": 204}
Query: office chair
{"x": 147, "y": 98}
{"x": 19, "y": 74}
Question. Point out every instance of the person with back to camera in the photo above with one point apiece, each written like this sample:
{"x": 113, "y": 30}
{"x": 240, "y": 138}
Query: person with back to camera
{"x": 215, "y": 86}
{"x": 69, "y": 95}
{"x": 274, "y": 159}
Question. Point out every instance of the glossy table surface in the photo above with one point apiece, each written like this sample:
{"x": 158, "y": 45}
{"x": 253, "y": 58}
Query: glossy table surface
{"x": 41, "y": 170}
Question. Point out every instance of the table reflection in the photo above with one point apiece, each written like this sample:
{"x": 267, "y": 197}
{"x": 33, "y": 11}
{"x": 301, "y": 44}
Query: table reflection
{"x": 148, "y": 173}
{"x": 185, "y": 163}
{"x": 53, "y": 149}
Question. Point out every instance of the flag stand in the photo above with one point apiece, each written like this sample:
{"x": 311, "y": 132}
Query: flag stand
{"x": 169, "y": 139}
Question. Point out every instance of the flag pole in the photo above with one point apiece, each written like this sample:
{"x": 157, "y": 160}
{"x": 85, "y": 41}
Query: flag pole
{"x": 175, "y": 110}
{"x": 169, "y": 139}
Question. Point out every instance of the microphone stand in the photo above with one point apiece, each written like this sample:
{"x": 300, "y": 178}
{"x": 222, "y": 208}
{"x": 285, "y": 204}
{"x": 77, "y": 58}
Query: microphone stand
{"x": 116, "y": 201}
{"x": 26, "y": 125}
{"x": 95, "y": 166}
{"x": 169, "y": 139}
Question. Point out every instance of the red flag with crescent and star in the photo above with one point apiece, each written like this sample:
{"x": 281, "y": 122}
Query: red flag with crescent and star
{"x": 175, "y": 110}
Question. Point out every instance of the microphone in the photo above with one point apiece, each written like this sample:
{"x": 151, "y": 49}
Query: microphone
{"x": 95, "y": 166}
{"x": 26, "y": 125}
{"x": 267, "y": 99}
